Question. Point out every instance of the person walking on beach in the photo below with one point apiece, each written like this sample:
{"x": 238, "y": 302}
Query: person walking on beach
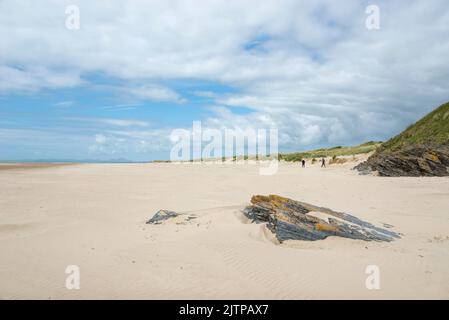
{"x": 303, "y": 163}
{"x": 323, "y": 163}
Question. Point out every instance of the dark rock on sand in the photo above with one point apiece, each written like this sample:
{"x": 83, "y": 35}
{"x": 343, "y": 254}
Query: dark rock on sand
{"x": 420, "y": 150}
{"x": 294, "y": 220}
{"x": 162, "y": 215}
{"x": 413, "y": 162}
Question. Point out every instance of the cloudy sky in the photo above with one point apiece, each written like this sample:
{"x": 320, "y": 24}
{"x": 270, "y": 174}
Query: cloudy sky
{"x": 135, "y": 70}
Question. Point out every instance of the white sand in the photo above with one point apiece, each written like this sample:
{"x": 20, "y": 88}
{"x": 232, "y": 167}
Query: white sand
{"x": 94, "y": 216}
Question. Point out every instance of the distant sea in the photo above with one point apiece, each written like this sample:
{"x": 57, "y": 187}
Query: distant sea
{"x": 71, "y": 161}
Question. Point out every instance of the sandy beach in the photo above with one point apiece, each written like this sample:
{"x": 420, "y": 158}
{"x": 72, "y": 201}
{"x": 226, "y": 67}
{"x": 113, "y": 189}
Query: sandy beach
{"x": 93, "y": 216}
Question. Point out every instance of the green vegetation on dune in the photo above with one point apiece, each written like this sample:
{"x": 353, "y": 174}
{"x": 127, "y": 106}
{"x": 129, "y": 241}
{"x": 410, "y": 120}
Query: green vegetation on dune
{"x": 333, "y": 152}
{"x": 420, "y": 150}
{"x": 366, "y": 147}
{"x": 433, "y": 129}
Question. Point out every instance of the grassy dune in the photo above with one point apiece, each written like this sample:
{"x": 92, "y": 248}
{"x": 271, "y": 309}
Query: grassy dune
{"x": 433, "y": 129}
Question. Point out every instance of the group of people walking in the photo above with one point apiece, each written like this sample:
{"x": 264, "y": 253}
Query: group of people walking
{"x": 323, "y": 163}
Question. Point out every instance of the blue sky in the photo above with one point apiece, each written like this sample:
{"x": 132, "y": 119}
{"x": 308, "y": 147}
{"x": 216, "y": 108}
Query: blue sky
{"x": 71, "y": 119}
{"x": 135, "y": 71}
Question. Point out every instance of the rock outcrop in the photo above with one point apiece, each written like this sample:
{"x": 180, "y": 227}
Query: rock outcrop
{"x": 413, "y": 162}
{"x": 420, "y": 150}
{"x": 294, "y": 220}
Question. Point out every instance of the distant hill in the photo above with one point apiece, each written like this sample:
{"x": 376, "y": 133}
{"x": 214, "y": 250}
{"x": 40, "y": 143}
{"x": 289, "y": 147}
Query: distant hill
{"x": 421, "y": 150}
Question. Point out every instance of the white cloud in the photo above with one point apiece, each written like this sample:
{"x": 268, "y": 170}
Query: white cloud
{"x": 311, "y": 69}
{"x": 151, "y": 93}
{"x": 125, "y": 123}
{"x": 132, "y": 142}
{"x": 64, "y": 104}
{"x": 100, "y": 139}
{"x": 34, "y": 78}
{"x": 112, "y": 122}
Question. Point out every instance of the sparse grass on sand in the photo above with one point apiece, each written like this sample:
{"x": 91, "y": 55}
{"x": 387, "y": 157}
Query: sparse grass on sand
{"x": 334, "y": 152}
{"x": 331, "y": 152}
